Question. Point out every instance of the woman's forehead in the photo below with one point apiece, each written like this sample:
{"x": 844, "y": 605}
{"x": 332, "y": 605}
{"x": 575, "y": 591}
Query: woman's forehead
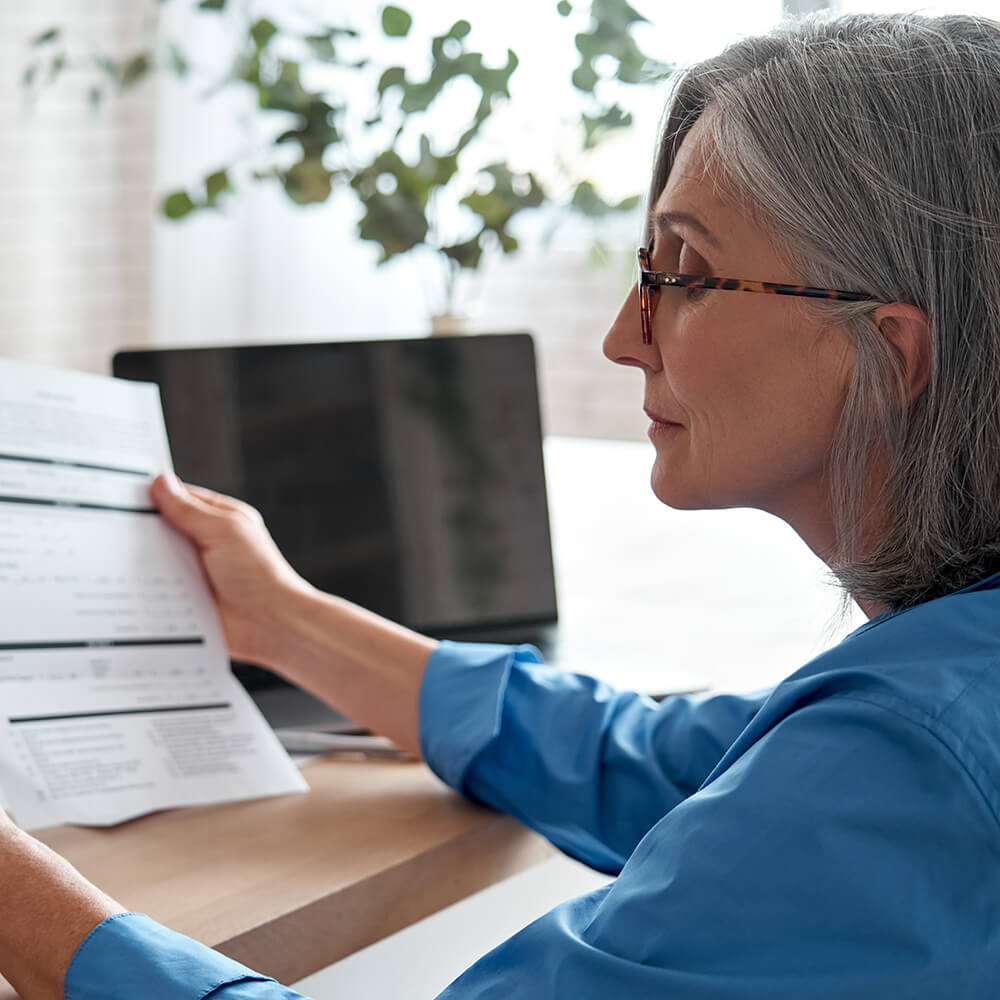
{"x": 695, "y": 200}
{"x": 691, "y": 188}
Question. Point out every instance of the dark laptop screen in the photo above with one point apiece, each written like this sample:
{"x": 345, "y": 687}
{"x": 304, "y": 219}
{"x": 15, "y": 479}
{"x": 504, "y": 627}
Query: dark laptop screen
{"x": 405, "y": 475}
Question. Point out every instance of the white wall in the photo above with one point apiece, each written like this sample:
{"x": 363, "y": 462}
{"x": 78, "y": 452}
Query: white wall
{"x": 75, "y": 197}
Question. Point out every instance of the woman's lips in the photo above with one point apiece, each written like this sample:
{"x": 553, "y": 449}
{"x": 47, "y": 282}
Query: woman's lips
{"x": 657, "y": 419}
{"x": 660, "y": 426}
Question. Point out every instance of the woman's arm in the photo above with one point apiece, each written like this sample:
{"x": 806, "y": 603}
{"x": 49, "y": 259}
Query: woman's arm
{"x": 590, "y": 768}
{"x": 365, "y": 666}
{"x": 48, "y": 908}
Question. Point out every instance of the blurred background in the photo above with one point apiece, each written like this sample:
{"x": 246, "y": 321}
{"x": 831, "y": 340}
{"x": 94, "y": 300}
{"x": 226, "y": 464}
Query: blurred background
{"x": 108, "y": 108}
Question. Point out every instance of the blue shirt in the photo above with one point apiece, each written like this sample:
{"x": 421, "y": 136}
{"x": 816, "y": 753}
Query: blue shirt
{"x": 836, "y": 837}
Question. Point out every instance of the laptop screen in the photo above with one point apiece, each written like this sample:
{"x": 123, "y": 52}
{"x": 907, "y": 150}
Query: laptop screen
{"x": 405, "y": 475}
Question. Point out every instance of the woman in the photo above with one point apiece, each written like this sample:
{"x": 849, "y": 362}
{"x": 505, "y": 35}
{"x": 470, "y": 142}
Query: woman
{"x": 837, "y": 837}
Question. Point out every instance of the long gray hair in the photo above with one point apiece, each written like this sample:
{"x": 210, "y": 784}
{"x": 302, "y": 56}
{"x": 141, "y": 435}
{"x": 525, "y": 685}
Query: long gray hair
{"x": 871, "y": 146}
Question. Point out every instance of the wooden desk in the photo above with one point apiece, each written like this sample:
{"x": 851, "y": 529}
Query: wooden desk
{"x": 289, "y": 885}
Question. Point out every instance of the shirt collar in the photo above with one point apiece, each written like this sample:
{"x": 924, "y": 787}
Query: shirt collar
{"x": 991, "y": 582}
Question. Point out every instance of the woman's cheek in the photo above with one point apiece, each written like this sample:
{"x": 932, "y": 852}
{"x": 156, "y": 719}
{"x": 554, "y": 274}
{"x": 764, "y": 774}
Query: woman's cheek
{"x": 694, "y": 360}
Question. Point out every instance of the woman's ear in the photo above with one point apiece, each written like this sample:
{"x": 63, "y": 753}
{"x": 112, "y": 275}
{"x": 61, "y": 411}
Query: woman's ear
{"x": 908, "y": 329}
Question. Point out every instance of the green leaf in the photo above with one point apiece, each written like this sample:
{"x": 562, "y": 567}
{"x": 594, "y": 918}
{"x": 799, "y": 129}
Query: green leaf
{"x": 134, "y": 70}
{"x": 598, "y": 256}
{"x": 396, "y": 220}
{"x": 262, "y": 31}
{"x": 585, "y": 78}
{"x": 287, "y": 92}
{"x": 459, "y": 30}
{"x": 467, "y": 254}
{"x": 596, "y": 127}
{"x": 587, "y": 200}
{"x": 216, "y": 184}
{"x": 492, "y": 83}
{"x": 29, "y": 74}
{"x": 57, "y": 65}
{"x": 434, "y": 171}
{"x": 107, "y": 66}
{"x": 212, "y": 5}
{"x": 508, "y": 243}
{"x": 396, "y": 22}
{"x": 246, "y": 67}
{"x": 177, "y": 205}
{"x": 308, "y": 182}
{"x": 393, "y": 221}
{"x": 317, "y": 129}
{"x": 615, "y": 16}
{"x": 511, "y": 193}
{"x": 610, "y": 34}
{"x": 564, "y": 7}
{"x": 45, "y": 37}
{"x": 394, "y": 76}
{"x": 322, "y": 47}
{"x": 177, "y": 60}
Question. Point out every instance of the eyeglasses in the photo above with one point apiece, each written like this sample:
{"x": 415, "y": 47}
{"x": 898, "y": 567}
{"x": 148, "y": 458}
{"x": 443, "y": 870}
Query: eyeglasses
{"x": 650, "y": 283}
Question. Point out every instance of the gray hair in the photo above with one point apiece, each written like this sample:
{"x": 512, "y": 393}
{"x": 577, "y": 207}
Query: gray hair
{"x": 870, "y": 145}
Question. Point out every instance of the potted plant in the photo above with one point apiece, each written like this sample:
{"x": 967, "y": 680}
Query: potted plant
{"x": 419, "y": 189}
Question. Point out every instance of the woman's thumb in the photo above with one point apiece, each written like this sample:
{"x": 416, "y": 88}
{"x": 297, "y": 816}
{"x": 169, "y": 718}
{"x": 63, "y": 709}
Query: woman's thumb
{"x": 179, "y": 506}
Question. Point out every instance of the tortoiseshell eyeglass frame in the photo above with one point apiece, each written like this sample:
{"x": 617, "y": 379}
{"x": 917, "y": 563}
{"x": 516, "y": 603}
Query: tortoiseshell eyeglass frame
{"x": 651, "y": 282}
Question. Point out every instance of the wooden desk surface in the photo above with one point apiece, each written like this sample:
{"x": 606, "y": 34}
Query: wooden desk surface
{"x": 289, "y": 885}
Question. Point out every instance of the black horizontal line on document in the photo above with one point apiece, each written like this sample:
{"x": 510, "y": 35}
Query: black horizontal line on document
{"x": 70, "y": 716}
{"x": 66, "y": 464}
{"x": 77, "y": 505}
{"x": 188, "y": 640}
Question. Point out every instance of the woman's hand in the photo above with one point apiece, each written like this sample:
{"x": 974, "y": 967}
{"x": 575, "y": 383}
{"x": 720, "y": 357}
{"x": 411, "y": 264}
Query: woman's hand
{"x": 367, "y": 667}
{"x": 253, "y": 585}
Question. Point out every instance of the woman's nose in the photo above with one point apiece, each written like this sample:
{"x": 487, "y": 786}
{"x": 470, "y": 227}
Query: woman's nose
{"x": 623, "y": 342}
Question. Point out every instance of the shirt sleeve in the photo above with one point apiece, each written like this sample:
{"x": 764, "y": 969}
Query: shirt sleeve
{"x": 589, "y": 767}
{"x": 129, "y": 956}
{"x": 843, "y": 855}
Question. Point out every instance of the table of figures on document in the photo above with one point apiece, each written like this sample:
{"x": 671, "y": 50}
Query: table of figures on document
{"x": 115, "y": 692}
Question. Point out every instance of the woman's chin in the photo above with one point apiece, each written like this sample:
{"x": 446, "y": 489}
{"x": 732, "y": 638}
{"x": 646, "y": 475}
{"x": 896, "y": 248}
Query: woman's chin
{"x": 673, "y": 492}
{"x": 672, "y": 488}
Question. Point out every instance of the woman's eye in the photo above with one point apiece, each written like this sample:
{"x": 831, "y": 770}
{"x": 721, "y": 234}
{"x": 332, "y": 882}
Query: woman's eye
{"x": 690, "y": 262}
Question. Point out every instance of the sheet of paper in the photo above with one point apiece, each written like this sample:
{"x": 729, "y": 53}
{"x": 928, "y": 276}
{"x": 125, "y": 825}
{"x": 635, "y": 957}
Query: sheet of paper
{"x": 116, "y": 696}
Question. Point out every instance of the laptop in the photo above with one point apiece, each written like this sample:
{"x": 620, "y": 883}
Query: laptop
{"x": 404, "y": 475}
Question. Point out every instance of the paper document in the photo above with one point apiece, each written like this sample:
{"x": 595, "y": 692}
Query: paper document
{"x": 116, "y": 696}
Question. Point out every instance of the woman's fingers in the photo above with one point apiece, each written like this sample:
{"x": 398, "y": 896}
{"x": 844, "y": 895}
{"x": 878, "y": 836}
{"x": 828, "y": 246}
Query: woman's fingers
{"x": 219, "y": 500}
{"x": 192, "y": 514}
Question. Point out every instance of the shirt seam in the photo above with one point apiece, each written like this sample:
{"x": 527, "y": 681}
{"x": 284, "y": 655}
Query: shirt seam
{"x": 911, "y": 717}
{"x": 973, "y": 681}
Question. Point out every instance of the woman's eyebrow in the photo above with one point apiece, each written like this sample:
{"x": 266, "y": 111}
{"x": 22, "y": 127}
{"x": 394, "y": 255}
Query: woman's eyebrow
{"x": 664, "y": 220}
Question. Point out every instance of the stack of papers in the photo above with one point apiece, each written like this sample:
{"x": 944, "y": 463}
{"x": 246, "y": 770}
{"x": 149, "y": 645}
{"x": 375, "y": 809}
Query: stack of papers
{"x": 116, "y": 696}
